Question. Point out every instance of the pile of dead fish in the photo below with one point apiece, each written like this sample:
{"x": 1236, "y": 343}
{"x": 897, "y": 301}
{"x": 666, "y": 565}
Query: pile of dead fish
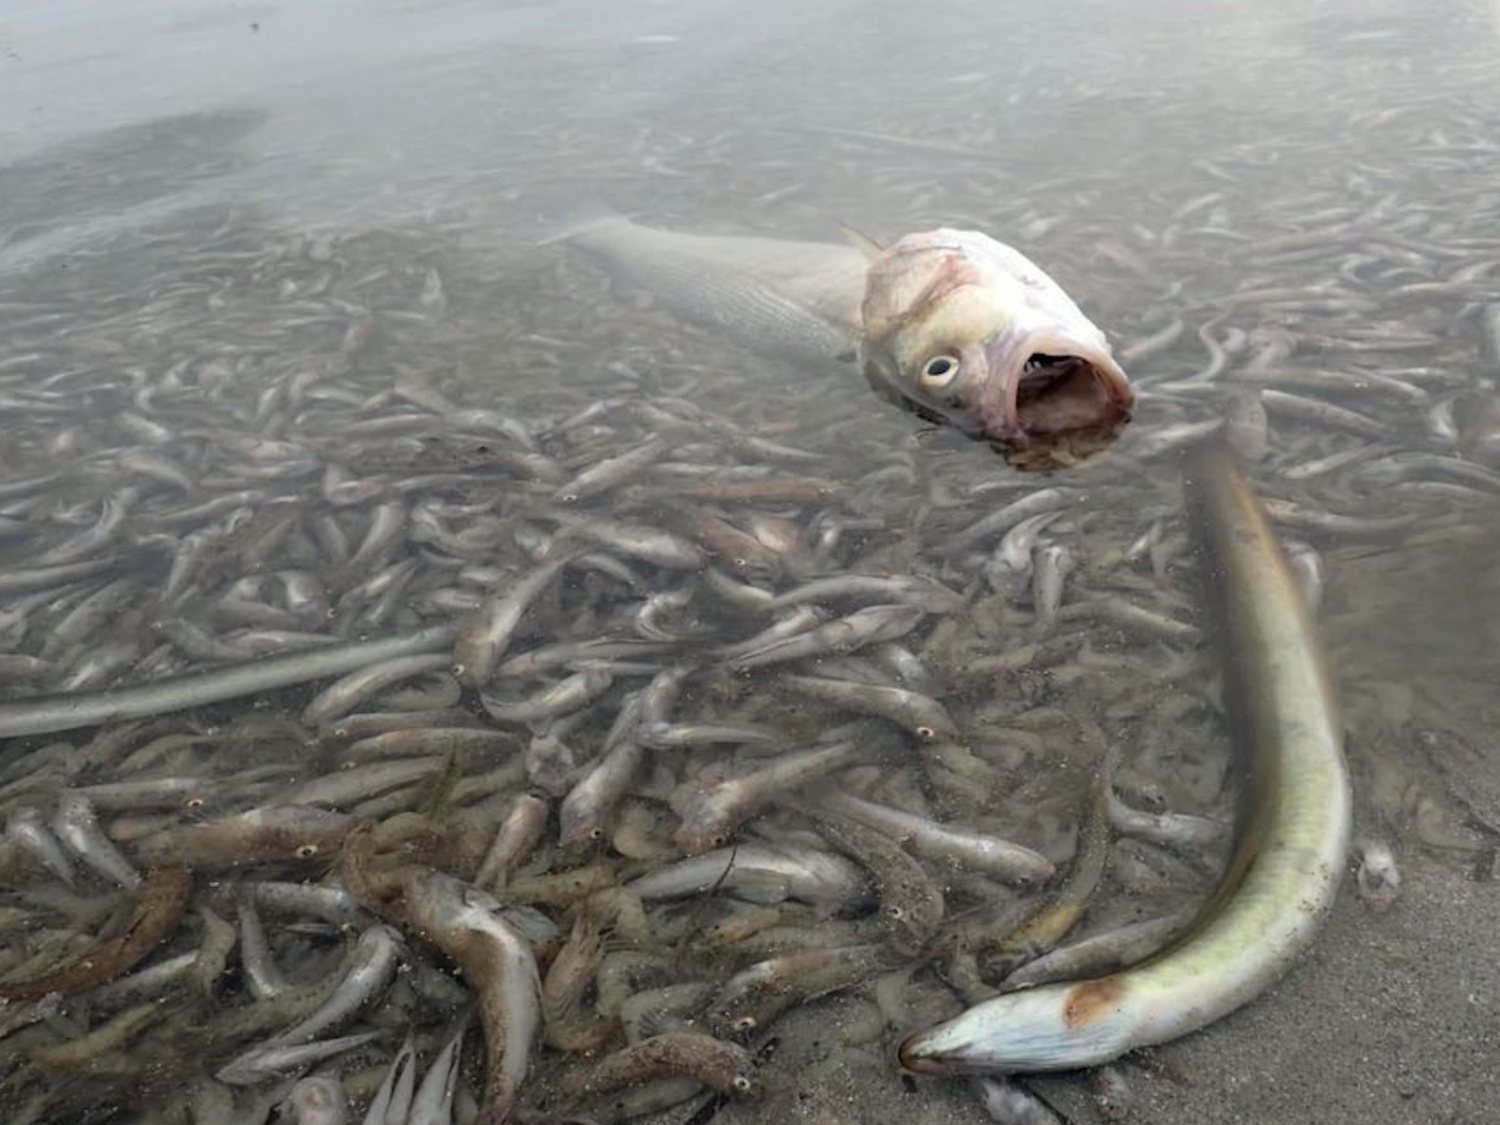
{"x": 485, "y": 743}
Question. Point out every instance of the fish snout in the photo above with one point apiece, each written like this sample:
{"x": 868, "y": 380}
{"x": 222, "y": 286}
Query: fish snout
{"x": 917, "y": 1054}
{"x": 1051, "y": 390}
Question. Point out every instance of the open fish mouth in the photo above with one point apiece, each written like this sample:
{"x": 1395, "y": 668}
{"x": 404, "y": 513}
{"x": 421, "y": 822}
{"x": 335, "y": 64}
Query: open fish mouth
{"x": 1060, "y": 404}
{"x": 1058, "y": 394}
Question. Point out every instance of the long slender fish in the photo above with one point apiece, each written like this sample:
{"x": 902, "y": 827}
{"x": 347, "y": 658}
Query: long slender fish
{"x": 1293, "y": 832}
{"x": 46, "y": 714}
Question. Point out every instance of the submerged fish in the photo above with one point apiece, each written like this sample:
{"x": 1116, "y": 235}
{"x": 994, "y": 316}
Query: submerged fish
{"x": 965, "y": 330}
{"x": 797, "y": 301}
{"x": 952, "y": 325}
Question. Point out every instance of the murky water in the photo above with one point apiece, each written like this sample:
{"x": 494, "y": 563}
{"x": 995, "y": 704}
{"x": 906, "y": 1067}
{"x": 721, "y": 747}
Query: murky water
{"x": 287, "y": 364}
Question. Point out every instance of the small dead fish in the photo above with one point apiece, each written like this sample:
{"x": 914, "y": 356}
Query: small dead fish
{"x": 262, "y": 976}
{"x": 759, "y": 873}
{"x": 943, "y": 843}
{"x": 906, "y": 589}
{"x": 651, "y": 619}
{"x": 269, "y": 834}
{"x": 678, "y": 736}
{"x": 613, "y": 471}
{"x": 1319, "y": 413}
{"x": 346, "y": 693}
{"x": 713, "y": 813}
{"x": 484, "y": 639}
{"x": 498, "y": 964}
{"x": 289, "y": 1058}
{"x": 432, "y": 1103}
{"x": 1291, "y": 514}
{"x": 26, "y": 826}
{"x": 1377, "y": 876}
{"x": 715, "y": 1063}
{"x": 1065, "y": 905}
{"x": 518, "y": 834}
{"x": 369, "y": 969}
{"x": 867, "y": 626}
{"x": 571, "y": 694}
{"x": 922, "y": 715}
{"x": 638, "y": 541}
{"x": 1102, "y": 953}
{"x": 1051, "y": 566}
{"x": 1009, "y": 568}
{"x": 1002, "y": 520}
{"x": 793, "y": 624}
{"x": 750, "y": 1000}
{"x": 77, "y": 826}
{"x": 592, "y": 800}
{"x": 911, "y": 902}
{"x": 159, "y": 906}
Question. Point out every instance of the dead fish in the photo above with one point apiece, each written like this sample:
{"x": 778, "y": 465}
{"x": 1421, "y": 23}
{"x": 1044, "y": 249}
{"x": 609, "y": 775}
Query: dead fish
{"x": 867, "y": 626}
{"x": 748, "y": 1001}
{"x": 715, "y": 811}
{"x": 962, "y": 329}
{"x": 797, "y": 301}
{"x": 759, "y": 873}
{"x": 723, "y": 1066}
{"x": 943, "y": 843}
{"x": 497, "y": 961}
{"x": 1377, "y": 876}
{"x": 949, "y": 324}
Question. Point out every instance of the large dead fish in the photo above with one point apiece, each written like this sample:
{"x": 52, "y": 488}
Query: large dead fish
{"x": 952, "y": 325}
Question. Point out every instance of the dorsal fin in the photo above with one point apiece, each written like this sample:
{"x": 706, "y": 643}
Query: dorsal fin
{"x": 861, "y": 242}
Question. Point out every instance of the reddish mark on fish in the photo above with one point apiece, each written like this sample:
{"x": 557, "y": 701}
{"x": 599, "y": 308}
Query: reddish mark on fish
{"x": 1091, "y": 1001}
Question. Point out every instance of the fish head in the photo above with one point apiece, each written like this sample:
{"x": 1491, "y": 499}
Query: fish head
{"x": 1062, "y": 1026}
{"x": 965, "y": 331}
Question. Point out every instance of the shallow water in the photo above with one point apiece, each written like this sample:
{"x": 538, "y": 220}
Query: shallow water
{"x": 297, "y": 253}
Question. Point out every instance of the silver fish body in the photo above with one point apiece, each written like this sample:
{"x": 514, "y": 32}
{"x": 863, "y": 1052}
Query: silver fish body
{"x": 760, "y": 874}
{"x": 497, "y": 961}
{"x": 797, "y": 301}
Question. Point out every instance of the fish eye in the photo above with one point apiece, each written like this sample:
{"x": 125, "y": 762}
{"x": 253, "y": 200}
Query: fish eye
{"x": 741, "y": 1083}
{"x": 895, "y": 913}
{"x": 940, "y": 370}
{"x": 193, "y": 803}
{"x": 926, "y": 733}
{"x": 307, "y": 851}
{"x": 745, "y": 1023}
